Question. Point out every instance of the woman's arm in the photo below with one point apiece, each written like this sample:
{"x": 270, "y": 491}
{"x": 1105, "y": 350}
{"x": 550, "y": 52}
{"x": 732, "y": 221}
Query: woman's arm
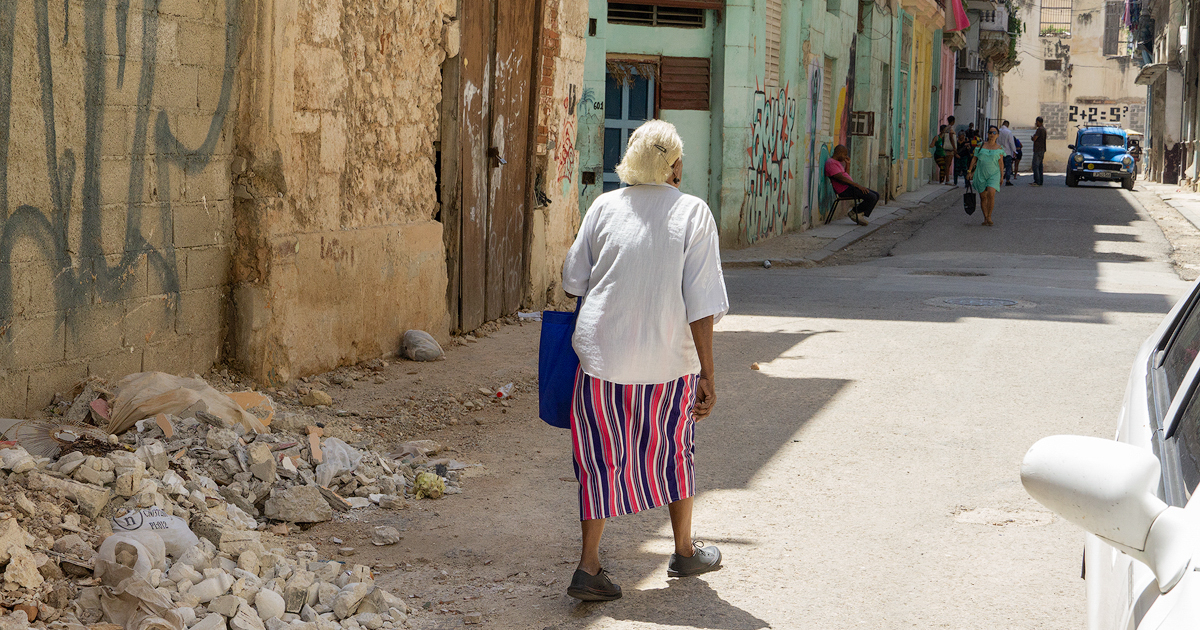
{"x": 706, "y": 394}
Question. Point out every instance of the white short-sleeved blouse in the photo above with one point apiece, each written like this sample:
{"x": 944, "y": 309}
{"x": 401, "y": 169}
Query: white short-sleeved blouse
{"x": 648, "y": 262}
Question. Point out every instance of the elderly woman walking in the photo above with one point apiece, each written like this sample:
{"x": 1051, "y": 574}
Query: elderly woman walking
{"x": 647, "y": 264}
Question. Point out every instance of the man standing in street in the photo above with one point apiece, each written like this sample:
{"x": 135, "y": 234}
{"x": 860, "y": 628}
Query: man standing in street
{"x": 1039, "y": 152}
{"x": 845, "y": 187}
{"x": 1010, "y": 151}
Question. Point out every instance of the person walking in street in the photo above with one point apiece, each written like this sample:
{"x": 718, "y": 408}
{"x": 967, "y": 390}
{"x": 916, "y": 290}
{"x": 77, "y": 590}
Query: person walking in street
{"x": 1005, "y": 140}
{"x": 986, "y": 169}
{"x": 1039, "y": 152}
{"x": 1017, "y": 158}
{"x": 836, "y": 169}
{"x": 647, "y": 264}
{"x": 944, "y": 148}
{"x": 939, "y": 154}
{"x": 962, "y": 159}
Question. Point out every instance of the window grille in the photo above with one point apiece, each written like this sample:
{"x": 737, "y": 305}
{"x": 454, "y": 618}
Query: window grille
{"x": 1116, "y": 36}
{"x": 684, "y": 83}
{"x": 1052, "y": 64}
{"x": 654, "y": 15}
{"x": 1056, "y": 18}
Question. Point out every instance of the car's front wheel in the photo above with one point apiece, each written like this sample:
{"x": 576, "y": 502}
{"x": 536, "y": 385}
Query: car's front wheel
{"x": 1127, "y": 183}
{"x": 1072, "y": 180}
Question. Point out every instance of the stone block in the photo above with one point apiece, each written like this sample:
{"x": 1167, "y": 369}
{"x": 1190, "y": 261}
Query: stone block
{"x": 209, "y": 185}
{"x": 117, "y": 365}
{"x": 211, "y": 79}
{"x": 206, "y": 267}
{"x": 206, "y": 44}
{"x": 201, "y": 223}
{"x": 125, "y": 281}
{"x": 201, "y": 310}
{"x": 94, "y": 330}
{"x": 35, "y": 341}
{"x": 148, "y": 320}
{"x": 90, "y": 499}
{"x": 175, "y": 87}
{"x": 33, "y": 286}
{"x": 320, "y": 77}
{"x": 172, "y": 355}
{"x": 185, "y": 8}
{"x": 333, "y": 143}
{"x": 14, "y": 388}
{"x": 44, "y": 382}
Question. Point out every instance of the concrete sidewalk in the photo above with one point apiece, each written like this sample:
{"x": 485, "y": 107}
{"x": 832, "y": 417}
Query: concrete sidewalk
{"x": 1182, "y": 199}
{"x": 814, "y": 245}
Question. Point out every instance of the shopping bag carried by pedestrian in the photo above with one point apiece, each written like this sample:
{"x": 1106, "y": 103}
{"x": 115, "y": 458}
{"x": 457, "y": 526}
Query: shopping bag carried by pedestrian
{"x": 557, "y": 365}
{"x": 969, "y": 200}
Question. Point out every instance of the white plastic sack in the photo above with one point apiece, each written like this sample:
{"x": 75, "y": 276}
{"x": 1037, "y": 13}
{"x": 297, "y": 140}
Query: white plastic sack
{"x": 338, "y": 458}
{"x": 172, "y": 530}
{"x": 419, "y": 345}
{"x": 148, "y": 547}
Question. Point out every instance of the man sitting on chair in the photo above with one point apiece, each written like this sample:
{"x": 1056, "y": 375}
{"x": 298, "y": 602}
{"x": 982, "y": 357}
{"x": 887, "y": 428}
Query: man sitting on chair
{"x": 846, "y": 188}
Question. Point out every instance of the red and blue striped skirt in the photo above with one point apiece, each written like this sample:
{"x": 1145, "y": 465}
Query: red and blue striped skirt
{"x": 633, "y": 445}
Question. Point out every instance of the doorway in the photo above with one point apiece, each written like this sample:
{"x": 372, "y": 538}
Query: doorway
{"x": 487, "y": 150}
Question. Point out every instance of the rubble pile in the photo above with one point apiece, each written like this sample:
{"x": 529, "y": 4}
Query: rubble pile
{"x": 171, "y": 525}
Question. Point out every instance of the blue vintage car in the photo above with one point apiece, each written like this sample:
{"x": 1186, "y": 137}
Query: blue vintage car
{"x": 1101, "y": 154}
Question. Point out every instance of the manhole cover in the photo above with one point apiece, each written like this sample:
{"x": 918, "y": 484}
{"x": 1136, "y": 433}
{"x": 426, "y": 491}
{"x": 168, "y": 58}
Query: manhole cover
{"x": 980, "y": 302}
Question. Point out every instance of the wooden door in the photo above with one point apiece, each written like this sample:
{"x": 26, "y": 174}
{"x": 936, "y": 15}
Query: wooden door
{"x": 496, "y": 88}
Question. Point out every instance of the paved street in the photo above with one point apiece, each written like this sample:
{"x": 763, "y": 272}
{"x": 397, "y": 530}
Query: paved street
{"x": 866, "y": 475}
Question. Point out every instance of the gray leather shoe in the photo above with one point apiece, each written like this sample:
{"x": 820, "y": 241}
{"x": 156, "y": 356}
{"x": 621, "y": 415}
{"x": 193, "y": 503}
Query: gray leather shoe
{"x": 702, "y": 560}
{"x": 593, "y": 588}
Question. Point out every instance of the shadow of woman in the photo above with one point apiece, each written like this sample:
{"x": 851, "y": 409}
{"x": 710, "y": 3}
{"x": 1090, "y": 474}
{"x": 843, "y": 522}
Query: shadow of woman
{"x": 687, "y": 602}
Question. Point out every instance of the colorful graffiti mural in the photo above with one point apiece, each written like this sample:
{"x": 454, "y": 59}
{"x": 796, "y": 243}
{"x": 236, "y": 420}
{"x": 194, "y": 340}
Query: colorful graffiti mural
{"x": 769, "y": 174}
{"x": 817, "y": 190}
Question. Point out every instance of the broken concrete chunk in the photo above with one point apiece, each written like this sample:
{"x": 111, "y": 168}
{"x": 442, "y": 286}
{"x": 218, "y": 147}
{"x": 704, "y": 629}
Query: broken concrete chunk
{"x": 299, "y": 504}
{"x": 385, "y": 535}
{"x": 269, "y": 604}
{"x": 246, "y": 619}
{"x": 262, "y": 462}
{"x": 349, "y": 597}
{"x": 316, "y": 398}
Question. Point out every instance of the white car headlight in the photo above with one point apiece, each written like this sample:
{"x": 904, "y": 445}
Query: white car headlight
{"x": 1078, "y": 159}
{"x": 1127, "y": 160}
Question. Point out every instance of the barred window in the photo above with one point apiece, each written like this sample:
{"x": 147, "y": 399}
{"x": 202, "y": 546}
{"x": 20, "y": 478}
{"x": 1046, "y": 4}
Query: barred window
{"x": 1056, "y": 18}
{"x": 1116, "y": 36}
{"x": 774, "y": 26}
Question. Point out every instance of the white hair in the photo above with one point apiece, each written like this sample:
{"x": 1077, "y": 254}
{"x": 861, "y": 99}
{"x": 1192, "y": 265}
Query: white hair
{"x": 653, "y": 149}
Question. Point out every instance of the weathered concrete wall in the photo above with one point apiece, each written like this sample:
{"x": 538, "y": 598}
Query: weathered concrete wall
{"x": 1087, "y": 88}
{"x": 563, "y": 102}
{"x": 116, "y": 224}
{"x": 338, "y": 249}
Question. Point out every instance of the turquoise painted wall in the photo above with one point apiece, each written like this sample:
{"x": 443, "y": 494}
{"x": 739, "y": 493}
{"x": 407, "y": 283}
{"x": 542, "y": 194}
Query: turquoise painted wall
{"x": 693, "y": 126}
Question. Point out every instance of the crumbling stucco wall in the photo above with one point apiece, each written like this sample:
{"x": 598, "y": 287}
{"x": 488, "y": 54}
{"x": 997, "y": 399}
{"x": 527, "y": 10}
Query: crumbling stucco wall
{"x": 338, "y": 253}
{"x": 561, "y": 101}
{"x": 115, "y": 221}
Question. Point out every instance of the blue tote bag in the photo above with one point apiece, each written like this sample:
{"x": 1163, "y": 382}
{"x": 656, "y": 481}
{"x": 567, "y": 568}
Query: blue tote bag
{"x": 557, "y": 365}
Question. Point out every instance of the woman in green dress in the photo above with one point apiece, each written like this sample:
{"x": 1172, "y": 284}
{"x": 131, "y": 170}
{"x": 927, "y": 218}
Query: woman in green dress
{"x": 987, "y": 167}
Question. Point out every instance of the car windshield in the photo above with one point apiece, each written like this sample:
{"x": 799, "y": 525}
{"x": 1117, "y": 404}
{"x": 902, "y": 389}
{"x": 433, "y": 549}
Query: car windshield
{"x": 1096, "y": 139}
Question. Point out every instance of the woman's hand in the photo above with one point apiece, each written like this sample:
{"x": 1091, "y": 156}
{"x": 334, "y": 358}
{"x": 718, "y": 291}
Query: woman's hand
{"x": 706, "y": 397}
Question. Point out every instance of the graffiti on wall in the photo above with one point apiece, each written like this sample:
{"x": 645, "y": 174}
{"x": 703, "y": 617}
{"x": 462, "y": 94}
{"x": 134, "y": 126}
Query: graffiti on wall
{"x": 846, "y": 99}
{"x": 565, "y": 156}
{"x": 80, "y": 268}
{"x": 769, "y": 174}
{"x": 817, "y": 190}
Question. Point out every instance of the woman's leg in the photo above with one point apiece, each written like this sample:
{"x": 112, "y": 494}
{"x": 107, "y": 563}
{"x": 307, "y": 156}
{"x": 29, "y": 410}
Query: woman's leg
{"x": 681, "y": 526}
{"x": 589, "y": 559}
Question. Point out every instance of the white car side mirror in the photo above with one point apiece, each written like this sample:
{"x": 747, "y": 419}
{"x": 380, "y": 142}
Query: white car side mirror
{"x": 1109, "y": 489}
